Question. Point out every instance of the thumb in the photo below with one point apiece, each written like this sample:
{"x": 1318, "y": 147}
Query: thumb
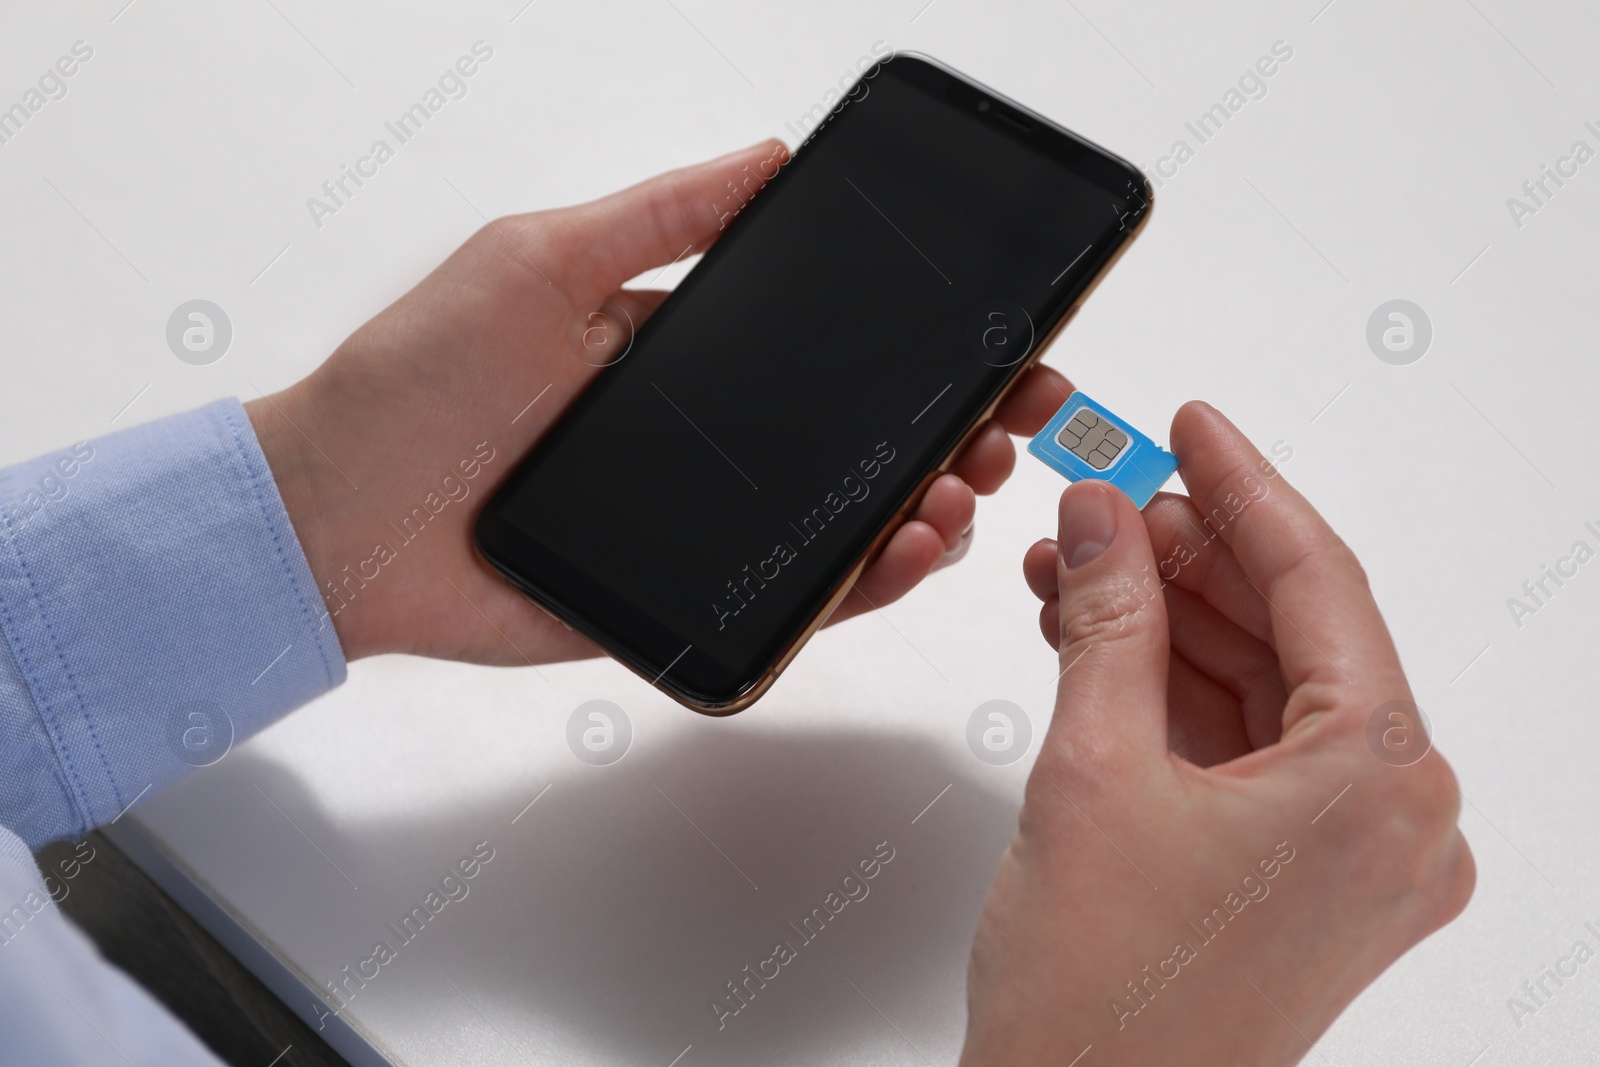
{"x": 1113, "y": 625}
{"x": 659, "y": 220}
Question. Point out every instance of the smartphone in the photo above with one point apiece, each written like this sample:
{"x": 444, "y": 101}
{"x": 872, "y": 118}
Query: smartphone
{"x": 714, "y": 494}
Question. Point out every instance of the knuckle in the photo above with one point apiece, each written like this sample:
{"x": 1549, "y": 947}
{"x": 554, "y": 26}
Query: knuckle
{"x": 1420, "y": 802}
{"x": 1323, "y": 554}
{"x": 493, "y": 231}
{"x": 489, "y": 240}
{"x": 1453, "y": 877}
{"x": 507, "y": 234}
{"x": 1344, "y": 557}
{"x": 1105, "y": 611}
{"x": 1428, "y": 790}
{"x": 1401, "y": 826}
{"x": 1411, "y": 829}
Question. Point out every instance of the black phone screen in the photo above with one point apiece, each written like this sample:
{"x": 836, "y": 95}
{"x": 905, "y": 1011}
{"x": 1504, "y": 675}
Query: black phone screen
{"x": 699, "y": 503}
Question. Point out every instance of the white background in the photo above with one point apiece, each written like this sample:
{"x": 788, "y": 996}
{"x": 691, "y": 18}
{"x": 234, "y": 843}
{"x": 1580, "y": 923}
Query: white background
{"x": 1377, "y": 167}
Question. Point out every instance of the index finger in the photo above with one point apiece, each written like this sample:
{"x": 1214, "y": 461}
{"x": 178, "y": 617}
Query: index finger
{"x": 1325, "y": 625}
{"x": 1038, "y": 395}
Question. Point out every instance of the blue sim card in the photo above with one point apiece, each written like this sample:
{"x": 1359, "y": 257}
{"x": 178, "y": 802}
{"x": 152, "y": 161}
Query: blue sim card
{"x": 1084, "y": 440}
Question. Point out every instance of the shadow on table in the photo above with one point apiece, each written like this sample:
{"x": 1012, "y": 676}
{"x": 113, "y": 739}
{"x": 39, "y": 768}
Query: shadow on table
{"x": 618, "y": 907}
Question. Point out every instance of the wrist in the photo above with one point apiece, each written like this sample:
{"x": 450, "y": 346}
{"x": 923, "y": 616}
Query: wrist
{"x": 315, "y": 496}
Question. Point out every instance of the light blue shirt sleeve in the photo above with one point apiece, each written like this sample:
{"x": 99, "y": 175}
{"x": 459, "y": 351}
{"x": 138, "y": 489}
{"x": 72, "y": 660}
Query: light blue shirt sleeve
{"x": 155, "y": 608}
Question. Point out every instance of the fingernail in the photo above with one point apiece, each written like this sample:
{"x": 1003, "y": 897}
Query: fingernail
{"x": 1088, "y": 523}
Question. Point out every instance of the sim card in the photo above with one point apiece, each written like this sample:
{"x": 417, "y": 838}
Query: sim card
{"x": 1084, "y": 440}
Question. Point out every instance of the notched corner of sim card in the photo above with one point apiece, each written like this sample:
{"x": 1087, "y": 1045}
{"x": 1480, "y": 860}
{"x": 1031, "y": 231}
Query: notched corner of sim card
{"x": 1084, "y": 439}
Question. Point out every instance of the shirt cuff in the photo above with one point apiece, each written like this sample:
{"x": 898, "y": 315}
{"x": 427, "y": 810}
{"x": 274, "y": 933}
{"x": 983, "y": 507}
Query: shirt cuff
{"x": 156, "y": 609}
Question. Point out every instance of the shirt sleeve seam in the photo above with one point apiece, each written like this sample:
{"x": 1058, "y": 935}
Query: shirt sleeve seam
{"x": 277, "y": 541}
{"x": 63, "y": 751}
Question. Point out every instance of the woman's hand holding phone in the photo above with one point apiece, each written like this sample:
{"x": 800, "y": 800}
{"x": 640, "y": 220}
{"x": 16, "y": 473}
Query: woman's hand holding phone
{"x": 1212, "y": 860}
{"x": 371, "y": 452}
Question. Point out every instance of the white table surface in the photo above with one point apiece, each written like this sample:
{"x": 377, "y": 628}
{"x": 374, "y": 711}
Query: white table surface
{"x": 1376, "y": 167}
